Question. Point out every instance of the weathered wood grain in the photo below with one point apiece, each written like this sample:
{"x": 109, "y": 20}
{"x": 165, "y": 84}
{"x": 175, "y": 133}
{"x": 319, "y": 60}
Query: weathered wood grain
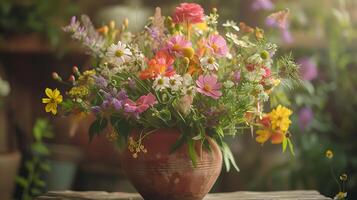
{"x": 279, "y": 195}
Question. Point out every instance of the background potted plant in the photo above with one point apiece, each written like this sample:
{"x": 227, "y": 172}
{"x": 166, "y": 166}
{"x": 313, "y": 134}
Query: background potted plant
{"x": 170, "y": 94}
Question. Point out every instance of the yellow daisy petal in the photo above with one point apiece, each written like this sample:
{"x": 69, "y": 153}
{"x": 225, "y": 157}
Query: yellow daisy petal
{"x": 55, "y": 93}
{"x": 48, "y": 107}
{"x": 46, "y": 100}
{"x": 49, "y": 92}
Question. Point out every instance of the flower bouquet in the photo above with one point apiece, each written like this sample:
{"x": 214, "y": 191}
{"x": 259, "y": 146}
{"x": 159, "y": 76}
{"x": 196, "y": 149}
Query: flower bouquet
{"x": 171, "y": 93}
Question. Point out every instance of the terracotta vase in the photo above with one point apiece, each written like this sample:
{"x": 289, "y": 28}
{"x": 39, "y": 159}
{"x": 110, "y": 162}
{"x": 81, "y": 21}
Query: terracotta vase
{"x": 159, "y": 175}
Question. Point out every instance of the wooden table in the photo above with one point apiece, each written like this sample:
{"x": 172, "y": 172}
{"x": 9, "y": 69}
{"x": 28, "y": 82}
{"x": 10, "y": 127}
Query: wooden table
{"x": 283, "y": 195}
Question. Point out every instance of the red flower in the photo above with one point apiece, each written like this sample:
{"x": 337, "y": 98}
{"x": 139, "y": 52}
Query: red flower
{"x": 188, "y": 13}
{"x": 162, "y": 63}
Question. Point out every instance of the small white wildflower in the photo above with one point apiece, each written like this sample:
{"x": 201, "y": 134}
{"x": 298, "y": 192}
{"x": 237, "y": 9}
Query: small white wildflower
{"x": 189, "y": 91}
{"x": 187, "y": 80}
{"x": 228, "y": 84}
{"x": 231, "y": 24}
{"x": 255, "y": 59}
{"x": 118, "y": 53}
{"x": 175, "y": 82}
{"x": 209, "y": 63}
{"x": 161, "y": 83}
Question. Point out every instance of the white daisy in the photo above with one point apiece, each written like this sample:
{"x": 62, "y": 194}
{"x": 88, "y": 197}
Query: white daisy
{"x": 209, "y": 63}
{"x": 161, "y": 83}
{"x": 187, "y": 80}
{"x": 175, "y": 82}
{"x": 189, "y": 91}
{"x": 118, "y": 53}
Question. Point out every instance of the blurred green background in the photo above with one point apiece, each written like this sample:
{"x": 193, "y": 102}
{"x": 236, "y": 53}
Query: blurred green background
{"x": 321, "y": 36}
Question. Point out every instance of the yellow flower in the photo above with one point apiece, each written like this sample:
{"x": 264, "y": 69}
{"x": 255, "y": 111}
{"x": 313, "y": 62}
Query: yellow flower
{"x": 79, "y": 91}
{"x": 87, "y": 77}
{"x": 54, "y": 98}
{"x": 263, "y": 136}
{"x": 280, "y": 118}
{"x": 329, "y": 154}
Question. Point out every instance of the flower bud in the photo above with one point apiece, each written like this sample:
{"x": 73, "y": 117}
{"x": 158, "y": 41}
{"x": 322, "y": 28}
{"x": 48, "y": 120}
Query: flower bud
{"x": 186, "y": 61}
{"x": 56, "y": 77}
{"x": 72, "y": 79}
{"x": 264, "y": 55}
{"x": 214, "y": 10}
{"x": 112, "y": 24}
{"x": 126, "y": 23}
{"x": 188, "y": 52}
{"x": 103, "y": 30}
{"x": 75, "y": 70}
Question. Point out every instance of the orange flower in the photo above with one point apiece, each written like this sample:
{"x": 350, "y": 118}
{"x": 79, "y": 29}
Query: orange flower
{"x": 161, "y": 64}
{"x": 266, "y": 134}
{"x": 194, "y": 66}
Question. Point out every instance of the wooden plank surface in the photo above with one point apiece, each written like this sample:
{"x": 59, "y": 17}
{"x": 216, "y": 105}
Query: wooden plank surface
{"x": 280, "y": 195}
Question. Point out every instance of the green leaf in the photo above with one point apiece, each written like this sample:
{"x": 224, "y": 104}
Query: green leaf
{"x": 120, "y": 125}
{"x": 285, "y": 142}
{"x": 22, "y": 182}
{"x": 97, "y": 127}
{"x": 228, "y": 157}
{"x": 39, "y": 183}
{"x": 219, "y": 131}
{"x": 40, "y": 148}
{"x": 291, "y": 147}
{"x": 35, "y": 191}
{"x": 192, "y": 152}
{"x": 197, "y": 137}
{"x": 177, "y": 144}
{"x": 45, "y": 166}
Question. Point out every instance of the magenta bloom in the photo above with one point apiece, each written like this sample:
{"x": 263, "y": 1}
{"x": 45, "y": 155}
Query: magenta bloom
{"x": 177, "y": 43}
{"x": 308, "y": 69}
{"x": 141, "y": 105}
{"x": 262, "y": 5}
{"x": 188, "y": 13}
{"x": 305, "y": 117}
{"x": 209, "y": 86}
{"x": 217, "y": 45}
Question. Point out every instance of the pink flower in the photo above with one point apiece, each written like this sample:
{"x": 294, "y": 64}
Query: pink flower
{"x": 188, "y": 13}
{"x": 141, "y": 105}
{"x": 177, "y": 43}
{"x": 209, "y": 86}
{"x": 262, "y": 5}
{"x": 217, "y": 44}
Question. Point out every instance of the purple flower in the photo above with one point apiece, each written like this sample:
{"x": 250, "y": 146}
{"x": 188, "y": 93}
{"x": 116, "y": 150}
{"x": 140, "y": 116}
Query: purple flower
{"x": 114, "y": 99}
{"x": 236, "y": 76}
{"x": 308, "y": 69}
{"x": 101, "y": 82}
{"x": 286, "y": 36}
{"x": 262, "y": 5}
{"x": 305, "y": 117}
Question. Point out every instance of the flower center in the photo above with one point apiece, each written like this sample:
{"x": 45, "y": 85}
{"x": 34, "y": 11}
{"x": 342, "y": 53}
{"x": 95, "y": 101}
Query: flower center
{"x": 176, "y": 47}
{"x": 210, "y": 60}
{"x": 160, "y": 82}
{"x": 207, "y": 88}
{"x": 215, "y": 47}
{"x": 119, "y": 53}
{"x": 173, "y": 82}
